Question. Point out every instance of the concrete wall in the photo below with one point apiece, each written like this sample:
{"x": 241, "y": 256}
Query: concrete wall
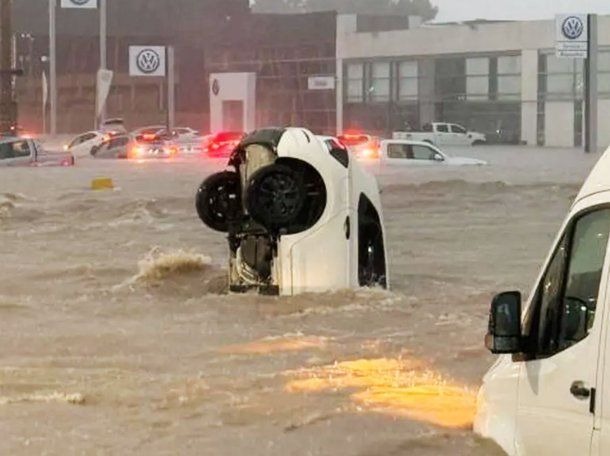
{"x": 233, "y": 87}
{"x": 559, "y": 124}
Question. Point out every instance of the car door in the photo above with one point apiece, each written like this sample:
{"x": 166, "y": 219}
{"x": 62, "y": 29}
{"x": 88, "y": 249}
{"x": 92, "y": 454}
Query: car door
{"x": 562, "y": 332}
{"x": 442, "y": 135}
{"x": 459, "y": 135}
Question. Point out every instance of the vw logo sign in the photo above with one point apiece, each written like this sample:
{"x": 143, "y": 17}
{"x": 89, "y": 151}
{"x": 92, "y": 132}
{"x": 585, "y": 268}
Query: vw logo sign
{"x": 148, "y": 60}
{"x": 79, "y": 2}
{"x": 216, "y": 87}
{"x": 572, "y": 27}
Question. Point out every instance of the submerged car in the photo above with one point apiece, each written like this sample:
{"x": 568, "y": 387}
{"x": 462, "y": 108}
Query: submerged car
{"x": 401, "y": 152}
{"x": 82, "y": 144}
{"x": 127, "y": 147}
{"x": 361, "y": 145}
{"x": 221, "y": 145}
{"x": 300, "y": 214}
{"x": 27, "y": 152}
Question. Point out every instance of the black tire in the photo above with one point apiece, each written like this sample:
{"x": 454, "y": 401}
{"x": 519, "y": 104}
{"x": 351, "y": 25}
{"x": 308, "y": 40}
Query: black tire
{"x": 275, "y": 197}
{"x": 371, "y": 258}
{"x": 218, "y": 200}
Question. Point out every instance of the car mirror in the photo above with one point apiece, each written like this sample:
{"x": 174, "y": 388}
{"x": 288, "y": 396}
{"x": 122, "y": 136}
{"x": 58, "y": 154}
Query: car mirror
{"x": 504, "y": 334}
{"x": 438, "y": 157}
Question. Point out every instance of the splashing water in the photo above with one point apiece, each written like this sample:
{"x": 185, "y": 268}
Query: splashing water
{"x": 158, "y": 266}
{"x": 398, "y": 387}
{"x": 285, "y": 343}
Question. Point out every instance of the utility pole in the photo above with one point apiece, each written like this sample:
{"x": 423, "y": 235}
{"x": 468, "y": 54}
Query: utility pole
{"x": 591, "y": 89}
{"x": 8, "y": 106}
{"x": 53, "y": 66}
{"x": 103, "y": 55}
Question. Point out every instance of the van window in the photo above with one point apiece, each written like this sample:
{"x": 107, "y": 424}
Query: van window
{"x": 564, "y": 306}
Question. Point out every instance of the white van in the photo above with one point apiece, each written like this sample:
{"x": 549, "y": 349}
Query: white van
{"x": 549, "y": 393}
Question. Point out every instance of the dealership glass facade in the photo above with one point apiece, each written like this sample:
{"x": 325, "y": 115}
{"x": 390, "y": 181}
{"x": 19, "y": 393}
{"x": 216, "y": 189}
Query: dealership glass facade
{"x": 483, "y": 93}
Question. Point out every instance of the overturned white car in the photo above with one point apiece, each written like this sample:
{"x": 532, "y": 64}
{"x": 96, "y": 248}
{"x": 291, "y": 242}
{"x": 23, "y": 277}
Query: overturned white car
{"x": 301, "y": 216}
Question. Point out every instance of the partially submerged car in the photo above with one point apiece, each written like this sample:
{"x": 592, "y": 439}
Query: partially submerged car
{"x": 127, "y": 147}
{"x": 300, "y": 214}
{"x": 397, "y": 152}
{"x": 83, "y": 144}
{"x": 28, "y": 152}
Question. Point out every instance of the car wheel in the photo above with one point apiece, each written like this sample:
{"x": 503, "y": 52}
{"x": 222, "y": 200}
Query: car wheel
{"x": 219, "y": 200}
{"x": 275, "y": 196}
{"x": 371, "y": 261}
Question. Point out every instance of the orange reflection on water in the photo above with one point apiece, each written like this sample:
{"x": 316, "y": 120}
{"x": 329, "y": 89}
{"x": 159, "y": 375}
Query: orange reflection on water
{"x": 398, "y": 387}
{"x": 287, "y": 343}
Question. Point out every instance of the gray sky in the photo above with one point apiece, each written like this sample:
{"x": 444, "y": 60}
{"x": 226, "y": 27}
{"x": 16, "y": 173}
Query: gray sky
{"x": 458, "y": 10}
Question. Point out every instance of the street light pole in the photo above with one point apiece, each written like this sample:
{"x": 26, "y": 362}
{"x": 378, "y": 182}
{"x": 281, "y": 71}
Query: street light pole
{"x": 53, "y": 67}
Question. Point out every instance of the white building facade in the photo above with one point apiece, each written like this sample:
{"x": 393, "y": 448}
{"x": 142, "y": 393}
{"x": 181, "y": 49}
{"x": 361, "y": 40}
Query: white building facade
{"x": 501, "y": 78}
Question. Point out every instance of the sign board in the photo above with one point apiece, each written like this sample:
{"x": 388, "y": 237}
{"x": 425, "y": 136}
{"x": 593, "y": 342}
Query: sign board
{"x": 104, "y": 82}
{"x": 147, "y": 61}
{"x": 321, "y": 83}
{"x": 572, "y": 36}
{"x": 89, "y": 4}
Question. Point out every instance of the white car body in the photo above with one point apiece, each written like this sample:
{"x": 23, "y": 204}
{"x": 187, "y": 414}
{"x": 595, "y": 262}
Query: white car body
{"x": 82, "y": 144}
{"x": 28, "y": 152}
{"x": 325, "y": 255}
{"x": 557, "y": 401}
{"x": 444, "y": 134}
{"x": 400, "y": 152}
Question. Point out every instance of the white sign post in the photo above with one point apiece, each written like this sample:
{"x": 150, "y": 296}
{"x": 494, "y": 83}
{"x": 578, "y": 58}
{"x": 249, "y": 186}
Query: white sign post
{"x": 572, "y": 36}
{"x": 147, "y": 61}
{"x": 89, "y": 4}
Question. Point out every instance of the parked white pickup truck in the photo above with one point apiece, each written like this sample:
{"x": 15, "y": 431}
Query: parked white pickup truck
{"x": 401, "y": 152}
{"x": 443, "y": 134}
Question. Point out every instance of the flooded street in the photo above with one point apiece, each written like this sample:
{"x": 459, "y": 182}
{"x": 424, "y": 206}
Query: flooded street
{"x": 118, "y": 336}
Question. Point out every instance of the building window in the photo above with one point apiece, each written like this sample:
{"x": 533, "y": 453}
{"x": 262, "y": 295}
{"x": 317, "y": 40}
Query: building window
{"x": 603, "y": 79}
{"x": 408, "y": 82}
{"x": 564, "y": 78}
{"x": 380, "y": 81}
{"x": 355, "y": 83}
{"x": 509, "y": 77}
{"x": 477, "y": 78}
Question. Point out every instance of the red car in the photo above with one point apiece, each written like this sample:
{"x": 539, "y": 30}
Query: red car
{"x": 220, "y": 145}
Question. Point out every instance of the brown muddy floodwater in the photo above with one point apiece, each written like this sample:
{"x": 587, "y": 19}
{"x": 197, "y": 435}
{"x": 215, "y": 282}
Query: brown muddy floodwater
{"x": 117, "y": 336}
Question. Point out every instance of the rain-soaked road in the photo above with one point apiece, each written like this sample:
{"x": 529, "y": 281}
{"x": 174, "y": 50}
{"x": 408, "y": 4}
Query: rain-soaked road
{"x": 117, "y": 337}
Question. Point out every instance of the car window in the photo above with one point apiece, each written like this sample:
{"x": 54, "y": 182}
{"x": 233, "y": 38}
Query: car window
{"x": 563, "y": 309}
{"x": 21, "y": 149}
{"x": 442, "y": 128}
{"x": 400, "y": 151}
{"x": 458, "y": 129}
{"x": 118, "y": 142}
{"x": 6, "y": 151}
{"x": 422, "y": 153}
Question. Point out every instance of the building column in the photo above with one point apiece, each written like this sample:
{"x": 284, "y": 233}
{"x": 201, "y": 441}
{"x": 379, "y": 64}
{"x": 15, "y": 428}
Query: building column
{"x": 426, "y": 91}
{"x": 339, "y": 94}
{"x": 529, "y": 96}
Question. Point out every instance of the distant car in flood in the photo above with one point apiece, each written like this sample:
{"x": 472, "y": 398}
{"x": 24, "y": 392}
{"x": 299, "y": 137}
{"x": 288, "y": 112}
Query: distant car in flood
{"x": 126, "y": 147}
{"x": 27, "y": 152}
{"x": 82, "y": 144}
{"x": 222, "y": 144}
{"x": 400, "y": 152}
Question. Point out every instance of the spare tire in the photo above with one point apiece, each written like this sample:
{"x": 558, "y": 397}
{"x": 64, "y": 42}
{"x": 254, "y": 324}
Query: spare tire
{"x": 218, "y": 200}
{"x": 275, "y": 196}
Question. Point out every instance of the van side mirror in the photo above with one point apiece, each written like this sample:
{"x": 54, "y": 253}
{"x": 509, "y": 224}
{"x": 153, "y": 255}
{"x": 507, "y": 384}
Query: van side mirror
{"x": 504, "y": 334}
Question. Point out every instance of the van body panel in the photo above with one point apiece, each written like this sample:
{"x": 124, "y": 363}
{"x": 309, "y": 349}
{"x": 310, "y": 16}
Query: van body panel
{"x": 550, "y": 418}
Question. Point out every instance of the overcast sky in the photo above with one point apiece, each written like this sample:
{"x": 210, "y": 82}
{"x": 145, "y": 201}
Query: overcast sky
{"x": 458, "y": 10}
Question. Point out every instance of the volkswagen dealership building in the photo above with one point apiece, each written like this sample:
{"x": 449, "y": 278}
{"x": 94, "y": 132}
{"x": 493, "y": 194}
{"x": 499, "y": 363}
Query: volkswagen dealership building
{"x": 501, "y": 78}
